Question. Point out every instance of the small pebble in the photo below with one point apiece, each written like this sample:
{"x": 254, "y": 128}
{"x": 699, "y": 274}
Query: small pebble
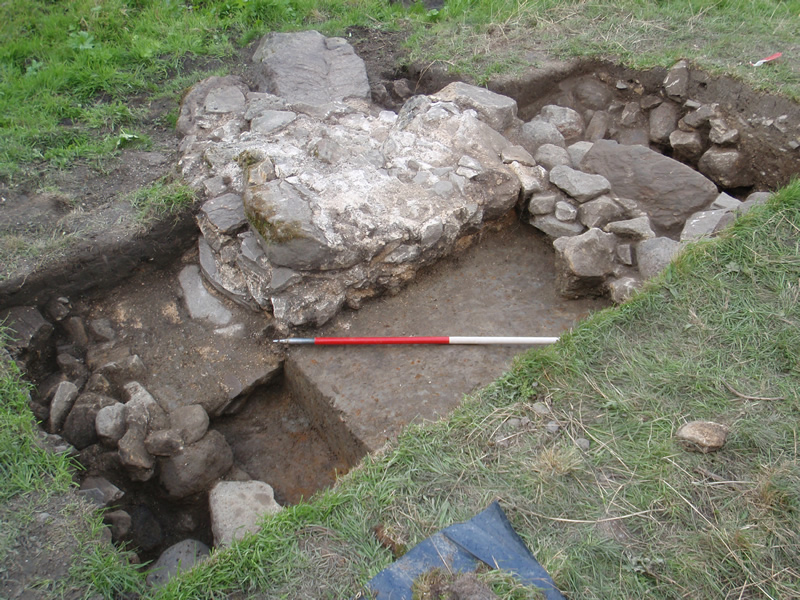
{"x": 583, "y": 444}
{"x": 552, "y": 427}
{"x": 540, "y": 408}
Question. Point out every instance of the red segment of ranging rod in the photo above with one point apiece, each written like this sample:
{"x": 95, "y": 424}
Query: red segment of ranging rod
{"x": 366, "y": 341}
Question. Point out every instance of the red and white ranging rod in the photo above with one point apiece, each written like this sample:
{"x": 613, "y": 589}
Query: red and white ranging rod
{"x": 442, "y": 340}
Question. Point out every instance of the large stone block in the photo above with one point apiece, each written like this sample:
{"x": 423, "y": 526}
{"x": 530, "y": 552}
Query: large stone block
{"x": 310, "y": 68}
{"x": 666, "y": 189}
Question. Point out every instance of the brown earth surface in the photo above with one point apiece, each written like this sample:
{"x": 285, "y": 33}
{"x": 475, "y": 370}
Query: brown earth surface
{"x": 87, "y": 205}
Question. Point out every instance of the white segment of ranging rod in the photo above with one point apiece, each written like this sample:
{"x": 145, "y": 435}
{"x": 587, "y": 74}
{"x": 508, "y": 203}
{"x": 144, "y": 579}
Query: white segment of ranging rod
{"x": 477, "y": 340}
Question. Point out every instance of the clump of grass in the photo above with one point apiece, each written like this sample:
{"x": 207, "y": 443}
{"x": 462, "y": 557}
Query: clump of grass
{"x": 69, "y": 70}
{"x": 634, "y": 515}
{"x": 24, "y": 465}
{"x": 161, "y": 199}
{"x": 503, "y": 36}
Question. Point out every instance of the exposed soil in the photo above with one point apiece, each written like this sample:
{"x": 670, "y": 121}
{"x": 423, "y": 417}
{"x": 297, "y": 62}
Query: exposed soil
{"x": 88, "y": 202}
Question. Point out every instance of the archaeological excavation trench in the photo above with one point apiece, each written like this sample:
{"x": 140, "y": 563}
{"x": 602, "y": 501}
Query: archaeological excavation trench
{"x": 455, "y": 211}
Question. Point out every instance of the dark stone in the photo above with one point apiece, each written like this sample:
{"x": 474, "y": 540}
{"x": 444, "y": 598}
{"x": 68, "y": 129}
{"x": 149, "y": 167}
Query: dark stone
{"x": 79, "y": 427}
{"x": 120, "y": 523}
{"x": 29, "y": 337}
{"x": 198, "y": 465}
{"x": 146, "y": 531}
{"x": 666, "y": 189}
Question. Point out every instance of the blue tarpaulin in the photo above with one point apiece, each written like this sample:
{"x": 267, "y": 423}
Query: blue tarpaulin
{"x": 487, "y": 538}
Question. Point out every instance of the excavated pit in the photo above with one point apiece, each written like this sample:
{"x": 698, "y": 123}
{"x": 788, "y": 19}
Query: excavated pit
{"x": 297, "y": 419}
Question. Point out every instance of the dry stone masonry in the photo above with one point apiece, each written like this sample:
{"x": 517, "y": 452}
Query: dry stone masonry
{"x": 319, "y": 199}
{"x": 316, "y": 198}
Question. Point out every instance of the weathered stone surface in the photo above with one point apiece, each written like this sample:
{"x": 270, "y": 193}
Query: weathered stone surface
{"x": 58, "y": 308}
{"x": 98, "y": 384}
{"x": 165, "y": 442}
{"x": 225, "y": 213}
{"x": 176, "y": 559}
{"x": 638, "y": 228}
{"x": 518, "y": 154}
{"x": 537, "y": 132}
{"x": 725, "y": 202}
{"x": 308, "y": 67}
{"x": 108, "y": 491}
{"x": 550, "y": 155}
{"x": 555, "y": 228}
{"x": 120, "y": 523}
{"x": 224, "y": 100}
{"x": 598, "y": 126}
{"x": 663, "y": 121}
{"x": 191, "y": 422}
{"x": 29, "y": 335}
{"x": 754, "y": 199}
{"x": 637, "y": 136}
{"x": 79, "y": 427}
{"x": 726, "y": 166}
{"x": 721, "y": 133}
{"x": 702, "y": 224}
{"x": 236, "y": 507}
{"x": 193, "y": 469}
{"x": 544, "y": 203}
{"x": 653, "y": 255}
{"x": 532, "y": 180}
{"x": 676, "y": 83}
{"x": 75, "y": 329}
{"x": 631, "y": 114}
{"x": 270, "y": 121}
{"x": 592, "y": 93}
{"x": 577, "y": 151}
{"x": 134, "y": 455}
{"x": 666, "y": 189}
{"x": 120, "y": 372}
{"x": 497, "y": 111}
{"x": 687, "y": 145}
{"x": 210, "y": 103}
{"x": 599, "y": 212}
{"x": 218, "y": 272}
{"x": 63, "y": 399}
{"x": 143, "y": 408}
{"x": 650, "y": 101}
{"x": 625, "y": 254}
{"x": 700, "y": 116}
{"x": 199, "y": 302}
{"x": 398, "y": 179}
{"x": 622, "y": 289}
{"x": 111, "y": 422}
{"x": 565, "y": 211}
{"x": 577, "y": 184}
{"x": 101, "y": 330}
{"x": 702, "y": 436}
{"x": 72, "y": 367}
{"x": 568, "y": 122}
{"x": 583, "y": 262}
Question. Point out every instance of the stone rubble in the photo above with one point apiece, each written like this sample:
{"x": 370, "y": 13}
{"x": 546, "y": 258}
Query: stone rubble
{"x": 318, "y": 199}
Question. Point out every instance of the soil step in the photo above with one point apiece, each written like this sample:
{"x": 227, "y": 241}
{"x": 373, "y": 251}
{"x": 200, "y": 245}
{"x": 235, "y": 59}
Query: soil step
{"x": 363, "y": 396}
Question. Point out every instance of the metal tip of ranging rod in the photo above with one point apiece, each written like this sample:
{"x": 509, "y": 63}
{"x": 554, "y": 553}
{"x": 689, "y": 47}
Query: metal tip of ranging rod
{"x": 294, "y": 341}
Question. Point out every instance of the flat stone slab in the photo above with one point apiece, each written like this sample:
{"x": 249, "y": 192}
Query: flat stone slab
{"x": 190, "y": 358}
{"x": 502, "y": 286}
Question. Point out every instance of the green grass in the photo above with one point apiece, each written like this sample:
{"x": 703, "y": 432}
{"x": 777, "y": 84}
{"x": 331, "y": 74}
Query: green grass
{"x": 161, "y": 199}
{"x": 722, "y": 36}
{"x": 75, "y": 77}
{"x": 24, "y": 465}
{"x": 74, "y": 74}
{"x": 716, "y": 337}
